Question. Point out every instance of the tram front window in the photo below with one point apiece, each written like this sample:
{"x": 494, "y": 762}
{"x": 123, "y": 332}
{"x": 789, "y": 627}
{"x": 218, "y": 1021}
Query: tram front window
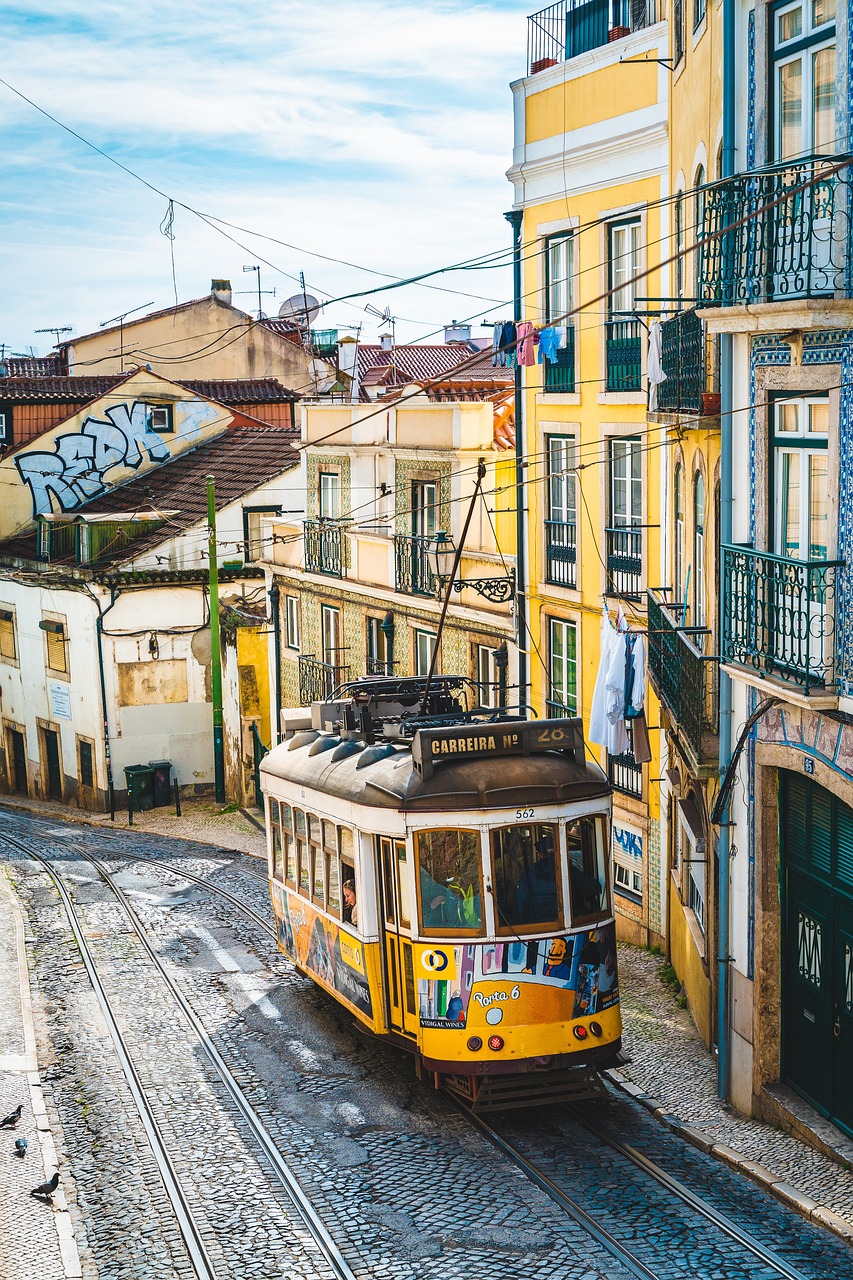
{"x": 526, "y": 877}
{"x": 587, "y": 873}
{"x": 449, "y": 881}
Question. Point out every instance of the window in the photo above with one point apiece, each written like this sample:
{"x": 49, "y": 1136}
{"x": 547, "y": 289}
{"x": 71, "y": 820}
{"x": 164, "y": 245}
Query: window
{"x": 378, "y": 649}
{"x": 693, "y": 857}
{"x": 424, "y": 508}
{"x": 699, "y": 550}
{"x": 698, "y": 12}
{"x": 56, "y": 653}
{"x": 562, "y": 667}
{"x": 449, "y": 881}
{"x": 159, "y": 418}
{"x": 8, "y": 645}
{"x": 424, "y": 647}
{"x": 318, "y": 861}
{"x": 626, "y": 482}
{"x": 5, "y": 427}
{"x": 289, "y": 837}
{"x": 677, "y": 31}
{"x": 330, "y": 495}
{"x": 291, "y": 622}
{"x": 804, "y": 78}
{"x": 628, "y": 863}
{"x": 86, "y": 763}
{"x": 276, "y": 852}
{"x": 302, "y": 855}
{"x": 624, "y": 264}
{"x": 257, "y": 544}
{"x": 525, "y": 862}
{"x": 486, "y": 675}
{"x": 587, "y": 874}
{"x": 679, "y": 543}
{"x": 559, "y": 270}
{"x": 561, "y": 480}
{"x": 801, "y": 478}
{"x": 330, "y": 629}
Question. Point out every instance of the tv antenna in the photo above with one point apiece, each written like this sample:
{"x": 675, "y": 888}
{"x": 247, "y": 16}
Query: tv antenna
{"x": 261, "y": 313}
{"x": 56, "y": 330}
{"x": 121, "y": 319}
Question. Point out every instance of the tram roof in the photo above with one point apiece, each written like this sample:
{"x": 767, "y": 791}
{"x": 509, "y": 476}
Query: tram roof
{"x": 384, "y": 776}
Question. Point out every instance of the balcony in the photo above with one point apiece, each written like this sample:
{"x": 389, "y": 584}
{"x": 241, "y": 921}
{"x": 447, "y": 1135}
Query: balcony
{"x": 779, "y": 619}
{"x": 684, "y": 678}
{"x": 318, "y": 680}
{"x": 564, "y": 30}
{"x": 412, "y": 573}
{"x": 624, "y": 356}
{"x": 624, "y": 773}
{"x": 690, "y": 362}
{"x": 560, "y": 377}
{"x": 624, "y": 562}
{"x": 324, "y": 547}
{"x": 561, "y": 553}
{"x": 796, "y": 249}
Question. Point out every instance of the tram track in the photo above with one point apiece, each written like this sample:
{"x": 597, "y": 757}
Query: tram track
{"x": 188, "y": 1225}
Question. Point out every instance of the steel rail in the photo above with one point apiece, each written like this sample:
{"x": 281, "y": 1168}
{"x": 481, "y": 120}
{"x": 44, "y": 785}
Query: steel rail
{"x": 690, "y": 1198}
{"x": 300, "y": 1200}
{"x": 190, "y": 1231}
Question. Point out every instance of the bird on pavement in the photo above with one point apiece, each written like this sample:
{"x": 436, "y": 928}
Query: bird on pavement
{"x": 46, "y": 1189}
{"x": 21, "y": 1147}
{"x": 12, "y": 1118}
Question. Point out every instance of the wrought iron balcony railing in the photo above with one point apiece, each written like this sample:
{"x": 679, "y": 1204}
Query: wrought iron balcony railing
{"x": 625, "y": 774}
{"x": 684, "y": 678}
{"x": 556, "y": 709}
{"x": 796, "y": 249}
{"x": 376, "y": 667}
{"x": 324, "y": 547}
{"x": 318, "y": 680}
{"x": 561, "y": 553}
{"x": 624, "y": 356}
{"x": 624, "y": 561}
{"x": 575, "y": 26}
{"x": 560, "y": 377}
{"x": 779, "y": 616}
{"x": 684, "y": 361}
{"x": 412, "y": 573}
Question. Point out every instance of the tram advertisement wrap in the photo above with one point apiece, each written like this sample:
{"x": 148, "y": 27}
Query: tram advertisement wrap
{"x": 316, "y": 943}
{"x": 558, "y": 978}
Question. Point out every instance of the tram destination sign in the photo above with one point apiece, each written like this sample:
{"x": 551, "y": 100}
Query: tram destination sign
{"x": 431, "y": 747}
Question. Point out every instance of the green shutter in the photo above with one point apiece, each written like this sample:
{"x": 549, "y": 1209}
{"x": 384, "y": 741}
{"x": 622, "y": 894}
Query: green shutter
{"x": 821, "y": 830}
{"x": 794, "y": 800}
{"x": 844, "y": 853}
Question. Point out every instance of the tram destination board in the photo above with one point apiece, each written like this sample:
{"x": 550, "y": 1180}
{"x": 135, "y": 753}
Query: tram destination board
{"x": 431, "y": 747}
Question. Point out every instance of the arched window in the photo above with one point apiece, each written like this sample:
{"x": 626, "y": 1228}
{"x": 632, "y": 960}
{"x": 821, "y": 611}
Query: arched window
{"x": 679, "y": 534}
{"x": 699, "y": 550}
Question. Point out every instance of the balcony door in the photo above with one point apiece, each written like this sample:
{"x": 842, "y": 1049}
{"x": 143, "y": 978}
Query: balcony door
{"x": 424, "y": 529}
{"x": 624, "y": 535}
{"x": 330, "y": 620}
{"x": 561, "y": 526}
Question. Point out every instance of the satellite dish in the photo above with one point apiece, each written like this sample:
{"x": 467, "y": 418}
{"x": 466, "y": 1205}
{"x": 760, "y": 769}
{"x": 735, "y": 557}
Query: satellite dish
{"x": 302, "y": 309}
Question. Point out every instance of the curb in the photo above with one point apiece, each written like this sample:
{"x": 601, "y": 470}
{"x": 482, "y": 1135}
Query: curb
{"x": 802, "y": 1204}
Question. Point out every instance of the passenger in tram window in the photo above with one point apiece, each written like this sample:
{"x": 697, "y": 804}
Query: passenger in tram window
{"x": 350, "y": 903}
{"x": 535, "y": 899}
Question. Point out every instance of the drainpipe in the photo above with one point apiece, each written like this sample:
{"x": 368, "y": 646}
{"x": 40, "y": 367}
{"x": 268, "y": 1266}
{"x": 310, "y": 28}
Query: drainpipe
{"x": 275, "y": 594}
{"x": 726, "y": 405}
{"x": 515, "y": 218}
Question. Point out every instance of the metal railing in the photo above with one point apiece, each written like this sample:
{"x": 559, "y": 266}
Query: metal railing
{"x": 683, "y": 676}
{"x": 324, "y": 342}
{"x": 560, "y": 377}
{"x": 318, "y": 680}
{"x": 376, "y": 667}
{"x": 561, "y": 553}
{"x": 324, "y": 546}
{"x": 796, "y": 249}
{"x": 624, "y": 356}
{"x": 556, "y": 710}
{"x": 625, "y": 774}
{"x": 412, "y": 573}
{"x": 624, "y": 556}
{"x": 779, "y": 615}
{"x": 683, "y": 357}
{"x": 575, "y": 26}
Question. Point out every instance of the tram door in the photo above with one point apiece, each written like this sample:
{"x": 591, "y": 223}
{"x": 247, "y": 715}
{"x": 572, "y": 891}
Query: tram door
{"x": 399, "y": 965}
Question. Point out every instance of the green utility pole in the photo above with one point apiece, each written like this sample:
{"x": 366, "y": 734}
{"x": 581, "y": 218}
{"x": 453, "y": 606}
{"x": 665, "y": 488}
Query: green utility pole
{"x": 215, "y": 653}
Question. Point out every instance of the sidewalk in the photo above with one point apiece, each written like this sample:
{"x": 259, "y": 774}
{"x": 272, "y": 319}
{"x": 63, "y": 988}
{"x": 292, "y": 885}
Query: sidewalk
{"x": 674, "y": 1076}
{"x": 36, "y": 1238}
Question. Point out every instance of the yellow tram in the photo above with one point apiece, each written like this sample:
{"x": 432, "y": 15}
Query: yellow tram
{"x": 443, "y": 873}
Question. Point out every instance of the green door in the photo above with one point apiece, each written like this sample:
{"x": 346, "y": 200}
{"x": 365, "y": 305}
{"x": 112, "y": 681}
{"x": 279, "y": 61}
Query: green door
{"x": 54, "y": 776}
{"x": 817, "y": 953}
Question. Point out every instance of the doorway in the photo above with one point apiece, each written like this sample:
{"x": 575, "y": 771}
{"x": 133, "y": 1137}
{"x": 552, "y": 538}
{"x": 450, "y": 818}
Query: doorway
{"x": 17, "y": 756}
{"x": 52, "y": 769}
{"x": 399, "y": 962}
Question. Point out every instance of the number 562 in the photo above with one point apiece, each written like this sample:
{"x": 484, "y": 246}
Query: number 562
{"x": 523, "y": 813}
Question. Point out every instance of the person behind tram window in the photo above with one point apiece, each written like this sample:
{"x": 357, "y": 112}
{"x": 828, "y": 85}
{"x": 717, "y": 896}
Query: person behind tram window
{"x": 585, "y": 888}
{"x": 535, "y": 897}
{"x": 350, "y": 903}
{"x": 440, "y": 903}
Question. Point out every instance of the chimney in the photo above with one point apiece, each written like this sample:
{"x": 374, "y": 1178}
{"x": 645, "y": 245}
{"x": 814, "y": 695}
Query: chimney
{"x": 221, "y": 291}
{"x": 454, "y": 332}
{"x": 386, "y": 341}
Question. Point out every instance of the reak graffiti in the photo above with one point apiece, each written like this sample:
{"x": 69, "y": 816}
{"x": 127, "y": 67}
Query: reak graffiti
{"x": 74, "y": 473}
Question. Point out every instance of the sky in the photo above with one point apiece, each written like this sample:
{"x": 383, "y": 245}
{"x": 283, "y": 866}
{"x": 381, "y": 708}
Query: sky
{"x": 378, "y": 133}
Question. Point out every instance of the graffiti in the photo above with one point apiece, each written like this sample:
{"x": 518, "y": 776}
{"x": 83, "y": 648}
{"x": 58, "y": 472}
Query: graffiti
{"x": 629, "y": 842}
{"x": 74, "y": 473}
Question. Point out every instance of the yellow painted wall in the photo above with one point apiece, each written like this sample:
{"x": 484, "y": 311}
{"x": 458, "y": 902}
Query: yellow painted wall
{"x": 688, "y": 965}
{"x": 601, "y": 95}
{"x": 253, "y": 651}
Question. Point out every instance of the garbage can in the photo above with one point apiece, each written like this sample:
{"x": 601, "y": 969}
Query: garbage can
{"x": 140, "y": 784}
{"x": 162, "y": 771}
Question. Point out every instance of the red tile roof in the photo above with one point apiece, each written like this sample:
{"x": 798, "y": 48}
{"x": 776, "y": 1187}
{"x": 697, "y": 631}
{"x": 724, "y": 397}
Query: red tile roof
{"x": 80, "y": 390}
{"x": 403, "y": 365}
{"x": 35, "y": 366}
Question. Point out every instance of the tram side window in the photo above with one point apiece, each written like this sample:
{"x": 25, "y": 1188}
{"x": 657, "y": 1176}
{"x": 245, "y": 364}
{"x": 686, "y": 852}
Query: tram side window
{"x": 275, "y": 840}
{"x": 317, "y": 860}
{"x": 302, "y": 852}
{"x": 330, "y": 855}
{"x": 449, "y": 881}
{"x": 289, "y": 838}
{"x": 526, "y": 878}
{"x": 587, "y": 873}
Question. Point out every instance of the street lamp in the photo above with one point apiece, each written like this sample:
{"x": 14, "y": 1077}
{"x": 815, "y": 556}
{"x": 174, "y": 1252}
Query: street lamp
{"x": 441, "y": 558}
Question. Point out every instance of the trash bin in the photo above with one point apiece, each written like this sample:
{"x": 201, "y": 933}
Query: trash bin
{"x": 140, "y": 784}
{"x": 162, "y": 770}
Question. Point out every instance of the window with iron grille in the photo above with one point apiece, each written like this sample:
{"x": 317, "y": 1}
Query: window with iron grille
{"x": 87, "y": 765}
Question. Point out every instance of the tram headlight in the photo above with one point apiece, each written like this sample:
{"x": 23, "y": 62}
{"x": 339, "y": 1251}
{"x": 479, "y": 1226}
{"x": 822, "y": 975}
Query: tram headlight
{"x": 496, "y": 1043}
{"x": 580, "y": 1033}
{"x": 474, "y": 1043}
{"x": 596, "y": 1029}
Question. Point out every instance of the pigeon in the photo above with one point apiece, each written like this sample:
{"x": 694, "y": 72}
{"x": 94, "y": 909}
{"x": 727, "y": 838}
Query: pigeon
{"x": 12, "y": 1118}
{"x": 21, "y": 1147}
{"x": 46, "y": 1189}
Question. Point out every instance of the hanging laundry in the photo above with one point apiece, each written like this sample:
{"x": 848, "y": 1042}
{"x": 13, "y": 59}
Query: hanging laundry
{"x": 635, "y": 675}
{"x": 562, "y": 336}
{"x": 654, "y": 366}
{"x": 508, "y": 341}
{"x": 496, "y": 343}
{"x": 598, "y": 715}
{"x": 617, "y": 742}
{"x": 640, "y": 745}
{"x": 524, "y": 340}
{"x": 548, "y": 344}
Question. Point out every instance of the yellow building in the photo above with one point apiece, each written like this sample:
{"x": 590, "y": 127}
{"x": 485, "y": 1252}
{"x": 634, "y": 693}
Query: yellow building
{"x": 589, "y": 173}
